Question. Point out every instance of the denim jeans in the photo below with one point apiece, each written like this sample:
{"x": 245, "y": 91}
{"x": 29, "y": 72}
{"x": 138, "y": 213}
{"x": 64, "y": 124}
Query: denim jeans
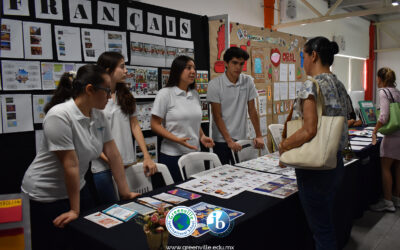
{"x": 105, "y": 187}
{"x": 172, "y": 163}
{"x": 224, "y": 153}
{"x": 317, "y": 190}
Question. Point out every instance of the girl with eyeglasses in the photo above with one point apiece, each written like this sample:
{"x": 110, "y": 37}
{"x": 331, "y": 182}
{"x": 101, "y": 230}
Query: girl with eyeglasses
{"x": 75, "y": 133}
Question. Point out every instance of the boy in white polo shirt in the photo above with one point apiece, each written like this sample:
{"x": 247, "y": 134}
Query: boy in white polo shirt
{"x": 231, "y": 95}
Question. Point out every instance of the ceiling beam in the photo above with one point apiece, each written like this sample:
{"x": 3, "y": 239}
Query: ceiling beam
{"x": 333, "y": 7}
{"x": 388, "y": 21}
{"x": 383, "y": 28}
{"x": 316, "y": 12}
{"x": 367, "y": 12}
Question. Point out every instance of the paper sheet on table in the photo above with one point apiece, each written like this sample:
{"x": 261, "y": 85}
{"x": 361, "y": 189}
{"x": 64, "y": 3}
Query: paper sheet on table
{"x": 357, "y": 148}
{"x": 292, "y": 72}
{"x": 68, "y": 43}
{"x": 356, "y": 138}
{"x": 147, "y": 50}
{"x": 93, "y": 44}
{"x": 11, "y": 39}
{"x": 283, "y": 91}
{"x": 17, "y": 113}
{"x": 21, "y": 75}
{"x": 276, "y": 91}
{"x": 360, "y": 143}
{"x": 37, "y": 40}
{"x": 283, "y": 72}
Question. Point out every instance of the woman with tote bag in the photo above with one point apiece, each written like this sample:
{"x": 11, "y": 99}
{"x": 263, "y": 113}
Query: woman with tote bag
{"x": 317, "y": 188}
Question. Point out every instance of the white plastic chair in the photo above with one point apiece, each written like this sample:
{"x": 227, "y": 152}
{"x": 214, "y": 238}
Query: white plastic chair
{"x": 248, "y": 151}
{"x": 276, "y": 132}
{"x": 139, "y": 183}
{"x": 194, "y": 162}
{"x": 265, "y": 150}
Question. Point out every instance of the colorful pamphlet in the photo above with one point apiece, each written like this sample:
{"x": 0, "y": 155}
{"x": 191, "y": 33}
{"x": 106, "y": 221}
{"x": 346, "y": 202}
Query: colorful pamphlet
{"x": 103, "y": 219}
{"x": 121, "y": 213}
{"x": 148, "y": 201}
{"x": 185, "y": 194}
{"x": 10, "y": 210}
{"x": 368, "y": 112}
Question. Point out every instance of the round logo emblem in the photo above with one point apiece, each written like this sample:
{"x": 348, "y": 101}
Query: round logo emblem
{"x": 181, "y": 221}
{"x": 218, "y": 221}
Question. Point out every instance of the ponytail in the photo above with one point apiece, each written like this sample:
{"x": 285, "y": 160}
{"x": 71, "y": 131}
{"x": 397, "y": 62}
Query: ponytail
{"x": 63, "y": 92}
{"x": 387, "y": 76}
{"x": 125, "y": 99}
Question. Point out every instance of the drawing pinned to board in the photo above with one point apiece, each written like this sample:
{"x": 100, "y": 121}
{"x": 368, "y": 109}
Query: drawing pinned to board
{"x": 164, "y": 77}
{"x": 276, "y": 74}
{"x": 17, "y": 113}
{"x": 240, "y": 34}
{"x": 219, "y": 66}
{"x": 116, "y": 42}
{"x": 299, "y": 74}
{"x": 143, "y": 81}
{"x": 37, "y": 40}
{"x": 147, "y": 50}
{"x": 39, "y": 102}
{"x": 257, "y": 55}
{"x": 175, "y": 47}
{"x": 301, "y": 59}
{"x": 93, "y": 44}
{"x": 269, "y": 93}
{"x": 201, "y": 82}
{"x": 21, "y": 75}
{"x": 11, "y": 39}
{"x": 67, "y": 43}
{"x": 144, "y": 115}
{"x": 292, "y": 72}
{"x": 275, "y": 57}
{"x": 270, "y": 72}
{"x": 52, "y": 72}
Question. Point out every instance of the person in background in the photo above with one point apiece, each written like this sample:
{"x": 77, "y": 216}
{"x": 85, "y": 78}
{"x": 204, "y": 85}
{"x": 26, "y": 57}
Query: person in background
{"x": 121, "y": 114}
{"x": 176, "y": 116}
{"x": 75, "y": 133}
{"x": 390, "y": 145}
{"x": 232, "y": 95}
{"x": 317, "y": 188}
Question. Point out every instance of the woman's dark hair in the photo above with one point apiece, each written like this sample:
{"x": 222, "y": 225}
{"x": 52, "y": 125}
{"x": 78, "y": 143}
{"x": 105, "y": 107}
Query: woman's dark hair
{"x": 235, "y": 52}
{"x": 387, "y": 76}
{"x": 323, "y": 47}
{"x": 177, "y": 67}
{"x": 73, "y": 87}
{"x": 109, "y": 61}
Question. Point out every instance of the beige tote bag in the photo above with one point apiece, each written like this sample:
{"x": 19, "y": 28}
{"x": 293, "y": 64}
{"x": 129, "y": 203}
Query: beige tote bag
{"x": 319, "y": 153}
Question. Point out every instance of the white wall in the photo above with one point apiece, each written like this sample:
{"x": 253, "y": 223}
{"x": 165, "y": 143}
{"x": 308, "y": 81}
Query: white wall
{"x": 390, "y": 59}
{"x": 355, "y": 30}
{"x": 241, "y": 11}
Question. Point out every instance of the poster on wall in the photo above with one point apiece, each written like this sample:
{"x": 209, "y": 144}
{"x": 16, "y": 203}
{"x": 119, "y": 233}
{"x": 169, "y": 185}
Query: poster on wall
{"x": 175, "y": 48}
{"x": 116, "y": 41}
{"x": 37, "y": 40}
{"x": 17, "y": 113}
{"x": 283, "y": 91}
{"x": 164, "y": 77}
{"x": 201, "y": 82}
{"x": 53, "y": 10}
{"x": 38, "y": 139}
{"x": 22, "y": 10}
{"x": 292, "y": 90}
{"x": 151, "y": 145}
{"x": 147, "y": 50}
{"x": 20, "y": 75}
{"x": 11, "y": 39}
{"x": 39, "y": 102}
{"x": 92, "y": 44}
{"x": 52, "y": 72}
{"x": 68, "y": 43}
{"x": 143, "y": 81}
{"x": 258, "y": 64}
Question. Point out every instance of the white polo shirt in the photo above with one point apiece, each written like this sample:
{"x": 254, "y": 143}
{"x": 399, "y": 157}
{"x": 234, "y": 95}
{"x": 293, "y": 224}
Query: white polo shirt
{"x": 65, "y": 128}
{"x": 233, "y": 99}
{"x": 121, "y": 131}
{"x": 181, "y": 114}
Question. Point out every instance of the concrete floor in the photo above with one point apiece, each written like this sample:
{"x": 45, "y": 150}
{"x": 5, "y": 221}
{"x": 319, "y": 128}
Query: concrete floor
{"x": 376, "y": 231}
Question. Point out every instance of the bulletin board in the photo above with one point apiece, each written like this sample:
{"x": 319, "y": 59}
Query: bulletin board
{"x": 275, "y": 63}
{"x": 40, "y": 40}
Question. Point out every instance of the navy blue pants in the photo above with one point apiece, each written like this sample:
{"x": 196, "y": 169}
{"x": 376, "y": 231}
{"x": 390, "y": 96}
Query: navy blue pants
{"x": 317, "y": 190}
{"x": 44, "y": 234}
{"x": 224, "y": 153}
{"x": 172, "y": 164}
{"x": 105, "y": 187}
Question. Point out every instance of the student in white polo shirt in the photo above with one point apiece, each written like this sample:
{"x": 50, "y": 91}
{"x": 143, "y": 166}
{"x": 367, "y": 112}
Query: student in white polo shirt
{"x": 75, "y": 133}
{"x": 231, "y": 95}
{"x": 176, "y": 116}
{"x": 121, "y": 114}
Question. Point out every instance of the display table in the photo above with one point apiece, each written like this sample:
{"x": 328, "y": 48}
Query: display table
{"x": 270, "y": 222}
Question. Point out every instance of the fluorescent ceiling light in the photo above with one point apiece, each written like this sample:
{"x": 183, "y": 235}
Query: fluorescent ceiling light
{"x": 352, "y": 57}
{"x": 395, "y": 2}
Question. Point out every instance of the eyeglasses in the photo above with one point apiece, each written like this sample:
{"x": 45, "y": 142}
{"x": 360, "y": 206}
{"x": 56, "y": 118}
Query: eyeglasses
{"x": 107, "y": 90}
